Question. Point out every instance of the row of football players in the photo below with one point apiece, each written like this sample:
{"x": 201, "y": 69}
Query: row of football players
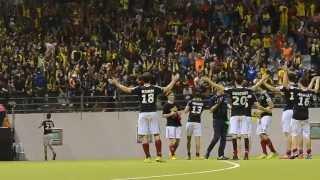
{"x": 242, "y": 100}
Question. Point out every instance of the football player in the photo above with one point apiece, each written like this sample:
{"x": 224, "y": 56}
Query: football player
{"x": 47, "y": 141}
{"x": 173, "y": 129}
{"x": 242, "y": 100}
{"x": 148, "y": 121}
{"x": 195, "y": 108}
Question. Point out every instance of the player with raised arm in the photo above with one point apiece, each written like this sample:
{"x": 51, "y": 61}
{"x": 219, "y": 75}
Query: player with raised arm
{"x": 47, "y": 142}
{"x": 288, "y": 84}
{"x": 195, "y": 108}
{"x": 173, "y": 129}
{"x": 265, "y": 112}
{"x": 242, "y": 100}
{"x": 148, "y": 122}
{"x": 300, "y": 119}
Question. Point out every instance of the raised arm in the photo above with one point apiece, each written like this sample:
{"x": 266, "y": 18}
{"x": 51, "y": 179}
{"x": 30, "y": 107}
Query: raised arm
{"x": 213, "y": 84}
{"x": 214, "y": 107}
{"x": 261, "y": 108}
{"x": 270, "y": 87}
{"x": 40, "y": 125}
{"x": 317, "y": 86}
{"x": 171, "y": 84}
{"x": 285, "y": 80}
{"x": 258, "y": 84}
{"x": 187, "y": 108}
{"x": 120, "y": 86}
{"x": 312, "y": 83}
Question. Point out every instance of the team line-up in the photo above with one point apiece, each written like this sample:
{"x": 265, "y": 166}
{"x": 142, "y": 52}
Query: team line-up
{"x": 240, "y": 99}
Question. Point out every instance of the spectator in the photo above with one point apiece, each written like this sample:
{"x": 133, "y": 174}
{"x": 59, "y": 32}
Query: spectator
{"x": 61, "y": 48}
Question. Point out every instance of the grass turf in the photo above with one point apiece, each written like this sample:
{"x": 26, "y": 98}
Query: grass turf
{"x": 113, "y": 169}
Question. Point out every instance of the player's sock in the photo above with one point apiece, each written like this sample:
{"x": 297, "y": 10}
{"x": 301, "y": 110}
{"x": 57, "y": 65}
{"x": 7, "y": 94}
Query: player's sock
{"x": 308, "y": 151}
{"x": 264, "y": 146}
{"x": 270, "y": 145}
{"x": 235, "y": 147}
{"x": 300, "y": 151}
{"x": 172, "y": 149}
{"x": 189, "y": 155}
{"x": 197, "y": 154}
{"x": 295, "y": 152}
{"x": 158, "y": 147}
{"x": 288, "y": 153}
{"x": 246, "y": 145}
{"x": 146, "y": 150}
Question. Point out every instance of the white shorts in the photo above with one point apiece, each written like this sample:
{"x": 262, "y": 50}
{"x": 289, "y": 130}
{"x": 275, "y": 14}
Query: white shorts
{"x": 286, "y": 120}
{"x": 47, "y": 140}
{"x": 148, "y": 123}
{"x": 173, "y": 132}
{"x": 193, "y": 129}
{"x": 240, "y": 125}
{"x": 263, "y": 125}
{"x": 300, "y": 128}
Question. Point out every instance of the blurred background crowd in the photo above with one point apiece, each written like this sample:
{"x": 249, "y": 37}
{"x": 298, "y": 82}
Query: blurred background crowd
{"x": 68, "y": 48}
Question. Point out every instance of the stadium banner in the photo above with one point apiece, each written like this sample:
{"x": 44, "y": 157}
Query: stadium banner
{"x": 315, "y": 130}
{"x": 57, "y": 136}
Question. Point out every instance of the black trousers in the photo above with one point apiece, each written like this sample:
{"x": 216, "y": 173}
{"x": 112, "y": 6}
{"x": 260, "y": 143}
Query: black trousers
{"x": 220, "y": 133}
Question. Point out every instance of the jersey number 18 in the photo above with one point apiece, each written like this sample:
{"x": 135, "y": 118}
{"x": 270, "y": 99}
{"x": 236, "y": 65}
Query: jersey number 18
{"x": 147, "y": 98}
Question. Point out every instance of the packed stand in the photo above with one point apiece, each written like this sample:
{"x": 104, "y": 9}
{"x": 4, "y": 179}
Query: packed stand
{"x": 67, "y": 49}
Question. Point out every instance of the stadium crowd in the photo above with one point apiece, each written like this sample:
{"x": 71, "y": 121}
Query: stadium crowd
{"x": 65, "y": 48}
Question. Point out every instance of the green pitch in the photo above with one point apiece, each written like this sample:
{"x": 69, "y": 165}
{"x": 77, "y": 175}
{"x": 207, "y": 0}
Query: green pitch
{"x": 172, "y": 170}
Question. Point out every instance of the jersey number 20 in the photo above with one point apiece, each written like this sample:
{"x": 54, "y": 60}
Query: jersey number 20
{"x": 242, "y": 101}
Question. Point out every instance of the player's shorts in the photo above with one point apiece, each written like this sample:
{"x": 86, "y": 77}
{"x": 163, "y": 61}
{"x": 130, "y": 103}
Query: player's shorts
{"x": 194, "y": 129}
{"x": 240, "y": 125}
{"x": 300, "y": 128}
{"x": 173, "y": 132}
{"x": 263, "y": 125}
{"x": 47, "y": 140}
{"x": 148, "y": 123}
{"x": 286, "y": 120}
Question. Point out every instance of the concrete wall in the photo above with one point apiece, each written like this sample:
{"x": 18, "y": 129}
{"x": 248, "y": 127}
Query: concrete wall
{"x": 112, "y": 135}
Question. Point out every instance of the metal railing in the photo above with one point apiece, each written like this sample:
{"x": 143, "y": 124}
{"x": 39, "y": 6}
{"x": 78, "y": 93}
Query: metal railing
{"x": 88, "y": 103}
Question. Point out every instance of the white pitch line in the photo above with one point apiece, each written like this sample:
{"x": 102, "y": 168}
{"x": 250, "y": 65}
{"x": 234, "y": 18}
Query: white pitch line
{"x": 234, "y": 165}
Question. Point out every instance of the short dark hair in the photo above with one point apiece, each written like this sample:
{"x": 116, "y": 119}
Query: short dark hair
{"x": 48, "y": 115}
{"x": 198, "y": 92}
{"x": 292, "y": 77}
{"x": 238, "y": 79}
{"x": 146, "y": 77}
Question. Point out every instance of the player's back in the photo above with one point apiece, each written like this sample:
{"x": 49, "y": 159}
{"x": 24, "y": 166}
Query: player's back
{"x": 47, "y": 126}
{"x": 288, "y": 96}
{"x": 196, "y": 106}
{"x": 241, "y": 99}
{"x": 147, "y": 95}
{"x": 302, "y": 101}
